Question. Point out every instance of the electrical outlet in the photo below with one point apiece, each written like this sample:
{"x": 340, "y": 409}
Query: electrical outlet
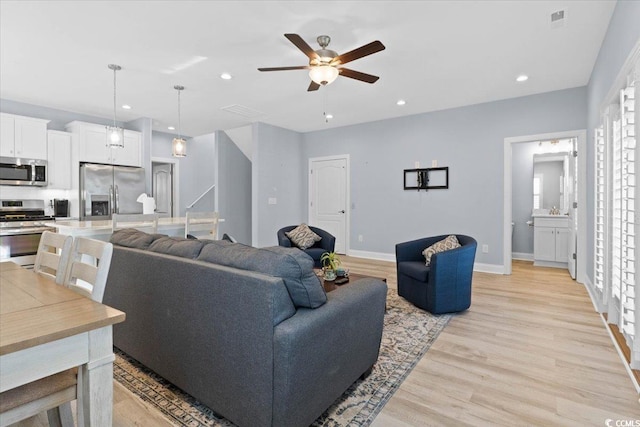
{"x": 360, "y": 238}
{"x": 417, "y": 165}
{"x": 485, "y": 249}
{"x": 434, "y": 163}
{"x": 273, "y": 201}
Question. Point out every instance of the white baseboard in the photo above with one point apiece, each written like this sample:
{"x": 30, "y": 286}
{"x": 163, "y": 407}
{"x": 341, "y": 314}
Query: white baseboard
{"x": 488, "y": 268}
{"x": 522, "y": 256}
{"x": 381, "y": 256}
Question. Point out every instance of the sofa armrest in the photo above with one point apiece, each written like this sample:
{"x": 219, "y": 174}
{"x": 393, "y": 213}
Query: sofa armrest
{"x": 319, "y": 353}
{"x": 452, "y": 266}
{"x": 283, "y": 240}
{"x": 412, "y": 251}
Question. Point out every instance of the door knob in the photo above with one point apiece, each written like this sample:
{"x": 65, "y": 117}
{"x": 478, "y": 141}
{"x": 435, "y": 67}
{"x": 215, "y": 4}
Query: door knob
{"x": 342, "y": 211}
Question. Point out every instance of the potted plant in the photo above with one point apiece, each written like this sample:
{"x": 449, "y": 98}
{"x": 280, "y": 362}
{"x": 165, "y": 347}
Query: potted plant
{"x": 330, "y": 261}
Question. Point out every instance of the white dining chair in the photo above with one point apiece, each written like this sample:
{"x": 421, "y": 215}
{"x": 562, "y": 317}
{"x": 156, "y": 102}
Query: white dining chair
{"x": 89, "y": 267}
{"x": 142, "y": 222}
{"x": 53, "y": 255}
{"x": 202, "y": 224}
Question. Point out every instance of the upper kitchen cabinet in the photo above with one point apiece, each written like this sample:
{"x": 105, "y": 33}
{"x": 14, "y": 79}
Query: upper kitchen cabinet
{"x": 59, "y": 160}
{"x": 23, "y": 137}
{"x": 91, "y": 142}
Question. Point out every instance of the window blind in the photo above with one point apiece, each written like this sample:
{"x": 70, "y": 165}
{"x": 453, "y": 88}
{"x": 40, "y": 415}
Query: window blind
{"x": 600, "y": 242}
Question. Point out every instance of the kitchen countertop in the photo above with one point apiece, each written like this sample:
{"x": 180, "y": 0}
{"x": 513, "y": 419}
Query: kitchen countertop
{"x": 106, "y": 224}
{"x": 171, "y": 226}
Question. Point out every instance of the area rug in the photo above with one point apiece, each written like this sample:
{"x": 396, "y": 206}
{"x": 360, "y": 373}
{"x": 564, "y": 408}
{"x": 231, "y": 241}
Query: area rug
{"x": 407, "y": 335}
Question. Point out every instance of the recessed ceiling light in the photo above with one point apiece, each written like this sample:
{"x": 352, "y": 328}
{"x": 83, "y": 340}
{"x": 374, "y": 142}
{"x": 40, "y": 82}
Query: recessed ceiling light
{"x": 329, "y": 116}
{"x": 522, "y": 78}
{"x": 171, "y": 128}
{"x": 401, "y": 102}
{"x": 126, "y": 107}
{"x": 225, "y": 76}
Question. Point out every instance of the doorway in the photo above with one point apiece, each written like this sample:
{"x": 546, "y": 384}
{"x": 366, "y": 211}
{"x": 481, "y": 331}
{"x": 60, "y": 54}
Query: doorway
{"x": 329, "y": 197}
{"x": 163, "y": 187}
{"x": 577, "y": 211}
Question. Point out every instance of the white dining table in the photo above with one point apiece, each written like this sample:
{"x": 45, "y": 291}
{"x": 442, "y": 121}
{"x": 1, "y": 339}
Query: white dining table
{"x": 46, "y": 328}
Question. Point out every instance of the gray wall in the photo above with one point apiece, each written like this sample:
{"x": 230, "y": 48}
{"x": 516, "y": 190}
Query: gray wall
{"x": 522, "y": 192}
{"x": 469, "y": 140}
{"x": 278, "y": 171}
{"x": 234, "y": 189}
{"x": 623, "y": 34}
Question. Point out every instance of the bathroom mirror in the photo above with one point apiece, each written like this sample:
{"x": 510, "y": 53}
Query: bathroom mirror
{"x": 549, "y": 182}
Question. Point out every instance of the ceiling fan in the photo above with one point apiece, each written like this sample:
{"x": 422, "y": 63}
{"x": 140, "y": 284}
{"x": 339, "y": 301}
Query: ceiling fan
{"x": 325, "y": 64}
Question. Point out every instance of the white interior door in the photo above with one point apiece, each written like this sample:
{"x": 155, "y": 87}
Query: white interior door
{"x": 163, "y": 188}
{"x": 329, "y": 197}
{"x": 572, "y": 208}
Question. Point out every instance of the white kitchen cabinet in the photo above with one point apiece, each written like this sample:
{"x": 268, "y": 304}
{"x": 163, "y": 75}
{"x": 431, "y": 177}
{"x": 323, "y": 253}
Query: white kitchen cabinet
{"x": 551, "y": 241}
{"x": 92, "y": 145}
{"x": 24, "y": 137}
{"x": 59, "y": 159}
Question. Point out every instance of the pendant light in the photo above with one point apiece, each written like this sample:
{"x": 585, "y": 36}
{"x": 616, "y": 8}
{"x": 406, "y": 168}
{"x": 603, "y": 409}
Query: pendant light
{"x": 179, "y": 144}
{"x": 115, "y": 134}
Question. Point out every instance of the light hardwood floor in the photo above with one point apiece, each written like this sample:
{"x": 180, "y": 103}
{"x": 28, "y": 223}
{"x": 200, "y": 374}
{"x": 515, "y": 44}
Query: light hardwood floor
{"x": 531, "y": 350}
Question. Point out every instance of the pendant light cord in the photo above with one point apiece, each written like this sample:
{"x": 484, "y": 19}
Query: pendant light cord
{"x": 179, "y": 120}
{"x": 114, "y": 97}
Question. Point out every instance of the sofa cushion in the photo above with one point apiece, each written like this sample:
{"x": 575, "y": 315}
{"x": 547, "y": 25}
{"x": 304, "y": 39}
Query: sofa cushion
{"x": 302, "y": 236}
{"x": 292, "y": 265}
{"x": 450, "y": 242}
{"x": 177, "y": 246}
{"x": 414, "y": 269}
{"x": 132, "y": 238}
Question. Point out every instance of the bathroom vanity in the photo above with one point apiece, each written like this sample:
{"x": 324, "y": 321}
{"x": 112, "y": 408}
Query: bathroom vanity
{"x": 551, "y": 240}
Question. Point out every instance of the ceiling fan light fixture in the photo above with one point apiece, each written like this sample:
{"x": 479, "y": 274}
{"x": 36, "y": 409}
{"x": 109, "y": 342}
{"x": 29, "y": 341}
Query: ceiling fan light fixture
{"x": 324, "y": 74}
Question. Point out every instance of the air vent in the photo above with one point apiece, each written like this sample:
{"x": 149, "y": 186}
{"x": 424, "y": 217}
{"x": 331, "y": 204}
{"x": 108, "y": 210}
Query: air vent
{"x": 558, "y": 18}
{"x": 241, "y": 110}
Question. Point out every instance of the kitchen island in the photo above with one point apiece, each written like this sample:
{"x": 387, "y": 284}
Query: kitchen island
{"x": 101, "y": 230}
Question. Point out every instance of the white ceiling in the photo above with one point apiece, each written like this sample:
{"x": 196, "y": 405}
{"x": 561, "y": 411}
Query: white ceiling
{"x": 439, "y": 54}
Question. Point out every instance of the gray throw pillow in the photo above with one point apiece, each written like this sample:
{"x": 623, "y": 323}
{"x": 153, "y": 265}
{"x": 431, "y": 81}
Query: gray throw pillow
{"x": 303, "y": 237}
{"x": 177, "y": 246}
{"x": 292, "y": 265}
{"x": 132, "y": 238}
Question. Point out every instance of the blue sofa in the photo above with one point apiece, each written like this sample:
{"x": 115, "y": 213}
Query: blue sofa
{"x": 444, "y": 286}
{"x": 327, "y": 244}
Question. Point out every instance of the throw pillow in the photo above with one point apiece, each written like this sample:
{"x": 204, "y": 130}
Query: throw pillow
{"x": 132, "y": 238}
{"x": 303, "y": 237}
{"x": 451, "y": 242}
{"x": 293, "y": 266}
{"x": 177, "y": 246}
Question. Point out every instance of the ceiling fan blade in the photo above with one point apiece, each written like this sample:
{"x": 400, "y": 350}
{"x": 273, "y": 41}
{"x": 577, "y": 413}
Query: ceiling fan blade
{"x": 302, "y": 45}
{"x": 358, "y": 53}
{"x": 298, "y": 67}
{"x": 313, "y": 86}
{"x": 363, "y": 77}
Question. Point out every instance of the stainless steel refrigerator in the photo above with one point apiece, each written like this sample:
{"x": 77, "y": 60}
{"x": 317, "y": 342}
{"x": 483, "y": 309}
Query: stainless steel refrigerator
{"x": 105, "y": 190}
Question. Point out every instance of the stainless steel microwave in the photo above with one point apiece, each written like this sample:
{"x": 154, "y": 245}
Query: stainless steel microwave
{"x": 16, "y": 171}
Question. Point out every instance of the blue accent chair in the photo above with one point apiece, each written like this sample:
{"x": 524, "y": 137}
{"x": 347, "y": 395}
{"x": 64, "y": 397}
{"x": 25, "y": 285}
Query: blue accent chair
{"x": 444, "y": 286}
{"x": 327, "y": 244}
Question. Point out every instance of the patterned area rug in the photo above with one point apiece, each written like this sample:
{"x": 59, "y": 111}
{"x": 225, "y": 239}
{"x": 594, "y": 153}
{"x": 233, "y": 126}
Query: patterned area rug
{"x": 407, "y": 335}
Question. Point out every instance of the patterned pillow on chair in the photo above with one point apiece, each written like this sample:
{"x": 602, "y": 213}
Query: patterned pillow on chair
{"x": 303, "y": 237}
{"x": 451, "y": 242}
